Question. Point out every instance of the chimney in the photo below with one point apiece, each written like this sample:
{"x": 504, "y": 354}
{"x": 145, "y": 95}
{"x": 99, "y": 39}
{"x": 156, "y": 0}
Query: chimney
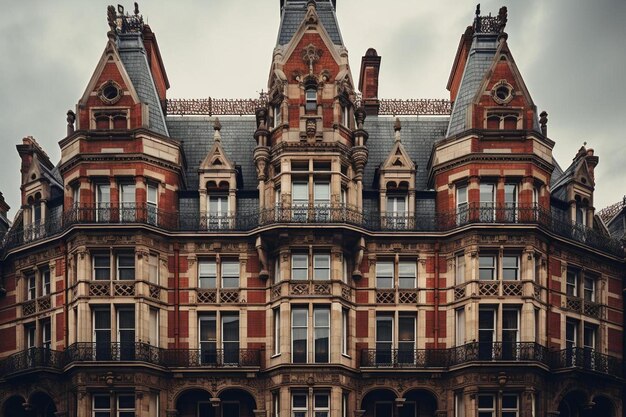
{"x": 368, "y": 81}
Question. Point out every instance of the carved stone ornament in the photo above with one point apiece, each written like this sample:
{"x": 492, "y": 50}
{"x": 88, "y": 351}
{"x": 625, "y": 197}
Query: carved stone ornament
{"x": 311, "y": 128}
{"x": 502, "y": 92}
{"x": 310, "y": 55}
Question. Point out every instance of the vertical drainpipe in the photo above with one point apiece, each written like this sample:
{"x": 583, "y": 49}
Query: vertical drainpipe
{"x": 176, "y": 297}
{"x": 436, "y": 326}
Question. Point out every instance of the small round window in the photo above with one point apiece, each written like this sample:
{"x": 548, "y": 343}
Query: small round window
{"x": 502, "y": 92}
{"x": 110, "y": 92}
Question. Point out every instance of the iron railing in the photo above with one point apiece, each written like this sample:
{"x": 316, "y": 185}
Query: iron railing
{"x": 314, "y": 214}
{"x": 130, "y": 352}
{"x": 586, "y": 359}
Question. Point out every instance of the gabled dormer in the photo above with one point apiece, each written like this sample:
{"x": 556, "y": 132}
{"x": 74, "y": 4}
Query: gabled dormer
{"x": 397, "y": 184}
{"x": 40, "y": 183}
{"x": 577, "y": 185}
{"x": 311, "y": 90}
{"x": 125, "y": 91}
{"x": 218, "y": 184}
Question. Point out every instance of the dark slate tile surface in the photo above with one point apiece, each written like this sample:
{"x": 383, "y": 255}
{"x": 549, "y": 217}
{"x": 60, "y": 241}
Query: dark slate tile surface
{"x": 480, "y": 58}
{"x": 196, "y": 133}
{"x": 418, "y": 135}
{"x": 293, "y": 14}
{"x": 133, "y": 57}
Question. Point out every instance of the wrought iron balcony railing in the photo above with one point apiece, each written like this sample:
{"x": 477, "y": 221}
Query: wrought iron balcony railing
{"x": 313, "y": 214}
{"x": 35, "y": 358}
{"x": 587, "y": 359}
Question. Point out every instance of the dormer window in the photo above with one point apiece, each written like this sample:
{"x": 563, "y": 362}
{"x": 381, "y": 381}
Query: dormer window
{"x": 111, "y": 119}
{"x": 396, "y": 208}
{"x": 310, "y": 95}
{"x": 217, "y": 216}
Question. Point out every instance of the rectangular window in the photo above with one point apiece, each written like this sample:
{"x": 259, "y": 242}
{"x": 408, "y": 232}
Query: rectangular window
{"x": 486, "y": 405}
{"x": 311, "y": 99}
{"x": 299, "y": 404}
{"x": 29, "y": 331}
{"x": 344, "y": 405}
{"x": 275, "y": 404}
{"x": 510, "y": 202}
{"x": 103, "y": 202}
{"x": 321, "y": 405}
{"x": 76, "y": 194}
{"x": 207, "y": 338}
{"x": 384, "y": 339}
{"x": 154, "y": 327}
{"x": 217, "y": 216}
{"x": 299, "y": 321}
{"x": 276, "y": 323}
{"x": 230, "y": 274}
{"x": 344, "y": 270}
{"x": 384, "y": 274}
{"x": 396, "y": 212}
{"x": 510, "y": 333}
{"x": 101, "y": 405}
{"x": 102, "y": 332}
{"x": 589, "y": 289}
{"x": 46, "y": 334}
{"x": 299, "y": 267}
{"x": 510, "y": 268}
{"x": 45, "y": 281}
{"x": 126, "y": 405}
{"x": 344, "y": 331}
{"x": 406, "y": 338}
{"x": 101, "y": 267}
{"x": 230, "y": 337}
{"x": 300, "y": 193}
{"x": 589, "y": 336}
{"x": 460, "y": 270}
{"x": 461, "y": 204}
{"x": 126, "y": 332}
{"x": 459, "y": 405}
{"x": 321, "y": 267}
{"x": 571, "y": 333}
{"x": 277, "y": 274}
{"x": 487, "y": 202}
{"x": 486, "y": 332}
{"x": 572, "y": 283}
{"x": 126, "y": 267}
{"x": 152, "y": 203}
{"x": 510, "y": 405}
{"x": 460, "y": 326}
{"x": 127, "y": 202}
{"x": 276, "y": 120}
{"x": 321, "y": 193}
{"x": 407, "y": 275}
{"x": 321, "y": 329}
{"x": 31, "y": 291}
{"x": 207, "y": 273}
{"x": 487, "y": 267}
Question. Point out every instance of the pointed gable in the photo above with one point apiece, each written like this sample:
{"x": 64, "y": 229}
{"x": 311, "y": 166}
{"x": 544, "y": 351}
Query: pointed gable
{"x": 293, "y": 12}
{"x": 398, "y": 159}
{"x": 216, "y": 159}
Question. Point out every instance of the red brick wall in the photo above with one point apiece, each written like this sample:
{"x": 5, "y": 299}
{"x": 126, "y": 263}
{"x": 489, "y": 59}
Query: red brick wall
{"x": 7, "y": 339}
{"x": 256, "y": 323}
{"x": 362, "y": 329}
{"x": 615, "y": 339}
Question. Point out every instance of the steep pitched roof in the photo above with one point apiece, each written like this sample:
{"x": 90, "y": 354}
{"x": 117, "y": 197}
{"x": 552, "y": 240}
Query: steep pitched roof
{"x": 133, "y": 56}
{"x": 480, "y": 59}
{"x": 293, "y": 13}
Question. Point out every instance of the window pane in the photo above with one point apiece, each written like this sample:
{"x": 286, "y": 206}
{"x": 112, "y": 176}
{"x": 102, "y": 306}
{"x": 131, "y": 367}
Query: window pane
{"x": 384, "y": 329}
{"x": 207, "y": 328}
{"x": 299, "y": 317}
{"x": 127, "y": 319}
{"x": 230, "y": 327}
{"x": 406, "y": 328}
{"x": 101, "y": 402}
{"x": 300, "y": 192}
{"x": 485, "y": 401}
{"x": 299, "y": 401}
{"x": 230, "y": 274}
{"x": 321, "y": 192}
{"x": 126, "y": 401}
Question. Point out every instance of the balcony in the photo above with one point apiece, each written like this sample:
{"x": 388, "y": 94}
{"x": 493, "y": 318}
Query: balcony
{"x": 134, "y": 352}
{"x": 492, "y": 352}
{"x": 245, "y": 221}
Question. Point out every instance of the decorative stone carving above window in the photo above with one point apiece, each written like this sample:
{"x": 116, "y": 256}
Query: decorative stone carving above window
{"x": 502, "y": 92}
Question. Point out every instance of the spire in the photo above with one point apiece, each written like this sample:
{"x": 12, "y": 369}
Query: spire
{"x": 293, "y": 13}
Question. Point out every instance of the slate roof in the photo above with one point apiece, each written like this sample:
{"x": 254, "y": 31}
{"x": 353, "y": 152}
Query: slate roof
{"x": 480, "y": 58}
{"x": 133, "y": 55}
{"x": 418, "y": 135}
{"x": 293, "y": 14}
{"x": 196, "y": 134}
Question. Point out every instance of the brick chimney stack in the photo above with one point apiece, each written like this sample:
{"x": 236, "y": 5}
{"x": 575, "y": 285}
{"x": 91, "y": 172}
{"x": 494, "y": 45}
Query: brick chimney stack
{"x": 368, "y": 81}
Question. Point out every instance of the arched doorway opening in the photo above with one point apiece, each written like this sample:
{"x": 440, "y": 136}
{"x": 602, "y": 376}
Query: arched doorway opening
{"x": 602, "y": 407}
{"x": 196, "y": 403}
{"x": 41, "y": 405}
{"x": 379, "y": 403}
{"x": 14, "y": 406}
{"x": 418, "y": 403}
{"x": 236, "y": 403}
{"x": 573, "y": 404}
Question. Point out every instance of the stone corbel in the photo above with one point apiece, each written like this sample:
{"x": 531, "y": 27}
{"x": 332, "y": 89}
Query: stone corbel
{"x": 215, "y": 401}
{"x": 358, "y": 259}
{"x": 264, "y": 272}
{"x": 400, "y": 402}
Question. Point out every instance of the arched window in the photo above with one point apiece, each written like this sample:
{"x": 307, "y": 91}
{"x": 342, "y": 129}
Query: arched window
{"x": 310, "y": 97}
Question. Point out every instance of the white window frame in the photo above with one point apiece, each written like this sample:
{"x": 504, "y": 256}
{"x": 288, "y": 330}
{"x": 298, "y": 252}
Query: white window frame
{"x": 205, "y": 276}
{"x": 345, "y": 330}
{"x": 119, "y": 268}
{"x": 31, "y": 286}
{"x": 508, "y": 412}
{"x": 100, "y": 411}
{"x": 493, "y": 268}
{"x": 276, "y": 330}
{"x": 154, "y": 323}
{"x": 95, "y": 256}
{"x": 299, "y": 256}
{"x": 300, "y": 411}
{"x": 589, "y": 290}
{"x": 515, "y": 268}
{"x": 462, "y": 214}
{"x": 491, "y": 409}
{"x": 305, "y": 327}
{"x": 127, "y": 202}
{"x": 103, "y": 205}
{"x": 384, "y": 275}
{"x": 319, "y": 260}
{"x": 46, "y": 281}
{"x": 228, "y": 276}
{"x": 571, "y": 286}
{"x": 402, "y": 275}
{"x": 321, "y": 327}
{"x": 46, "y": 333}
{"x": 119, "y": 409}
{"x": 459, "y": 320}
{"x": 152, "y": 202}
{"x": 459, "y": 276}
{"x": 154, "y": 273}
{"x": 320, "y": 410}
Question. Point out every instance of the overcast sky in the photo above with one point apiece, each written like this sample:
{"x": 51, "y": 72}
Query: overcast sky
{"x": 572, "y": 55}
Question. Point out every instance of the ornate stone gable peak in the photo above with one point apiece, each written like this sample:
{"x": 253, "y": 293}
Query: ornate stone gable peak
{"x": 216, "y": 159}
{"x": 310, "y": 55}
{"x": 398, "y": 158}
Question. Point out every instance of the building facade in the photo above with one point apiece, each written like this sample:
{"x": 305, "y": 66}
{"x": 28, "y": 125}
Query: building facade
{"x": 307, "y": 253}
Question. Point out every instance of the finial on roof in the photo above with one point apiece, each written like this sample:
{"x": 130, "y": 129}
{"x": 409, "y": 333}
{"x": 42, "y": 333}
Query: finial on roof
{"x": 397, "y": 127}
{"x": 71, "y": 118}
{"x": 543, "y": 122}
{"x": 311, "y": 3}
{"x": 217, "y": 126}
{"x": 478, "y": 10}
{"x": 502, "y": 17}
{"x": 136, "y": 8}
